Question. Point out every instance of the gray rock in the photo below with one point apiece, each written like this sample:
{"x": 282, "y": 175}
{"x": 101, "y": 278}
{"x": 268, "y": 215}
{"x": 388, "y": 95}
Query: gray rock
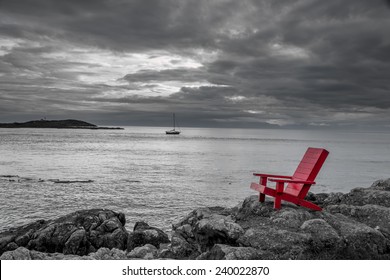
{"x": 226, "y": 252}
{"x": 297, "y": 233}
{"x": 276, "y": 243}
{"x": 377, "y": 194}
{"x": 205, "y": 227}
{"x": 179, "y": 248}
{"x": 77, "y": 243}
{"x": 375, "y": 216}
{"x": 108, "y": 254}
{"x": 20, "y": 253}
{"x": 12, "y": 235}
{"x": 360, "y": 240}
{"x": 216, "y": 229}
{"x": 80, "y": 233}
{"x": 382, "y": 185}
{"x": 147, "y": 252}
{"x": 201, "y": 213}
{"x": 144, "y": 234}
{"x": 324, "y": 242}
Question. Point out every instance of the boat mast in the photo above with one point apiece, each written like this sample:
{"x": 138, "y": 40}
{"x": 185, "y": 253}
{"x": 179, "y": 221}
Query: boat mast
{"x": 174, "y": 122}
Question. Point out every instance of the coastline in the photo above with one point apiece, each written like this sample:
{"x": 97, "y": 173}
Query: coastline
{"x": 354, "y": 225}
{"x": 59, "y": 124}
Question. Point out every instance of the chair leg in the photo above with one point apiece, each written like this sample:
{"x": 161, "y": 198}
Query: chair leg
{"x": 263, "y": 182}
{"x": 277, "y": 202}
{"x": 261, "y": 197}
{"x": 278, "y": 196}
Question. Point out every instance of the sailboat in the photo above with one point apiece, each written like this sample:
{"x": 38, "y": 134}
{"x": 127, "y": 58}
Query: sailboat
{"x": 173, "y": 131}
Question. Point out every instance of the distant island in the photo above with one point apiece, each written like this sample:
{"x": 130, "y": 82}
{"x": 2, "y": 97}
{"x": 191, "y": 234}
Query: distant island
{"x": 73, "y": 124}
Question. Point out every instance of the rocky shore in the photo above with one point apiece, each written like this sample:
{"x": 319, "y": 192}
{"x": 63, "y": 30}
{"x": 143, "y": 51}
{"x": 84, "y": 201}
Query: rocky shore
{"x": 355, "y": 225}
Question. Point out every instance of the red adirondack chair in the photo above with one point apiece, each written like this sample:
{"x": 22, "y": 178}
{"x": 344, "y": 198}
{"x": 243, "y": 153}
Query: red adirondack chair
{"x": 298, "y": 185}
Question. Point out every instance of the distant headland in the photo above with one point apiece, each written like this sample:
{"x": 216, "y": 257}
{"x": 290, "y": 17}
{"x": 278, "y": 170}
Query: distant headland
{"x": 72, "y": 124}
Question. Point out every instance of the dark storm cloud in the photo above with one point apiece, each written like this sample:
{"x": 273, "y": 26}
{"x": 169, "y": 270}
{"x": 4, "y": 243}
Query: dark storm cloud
{"x": 122, "y": 25}
{"x": 249, "y": 62}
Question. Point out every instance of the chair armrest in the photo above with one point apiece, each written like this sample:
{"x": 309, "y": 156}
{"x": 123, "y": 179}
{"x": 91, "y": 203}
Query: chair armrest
{"x": 272, "y": 176}
{"x": 292, "y": 181}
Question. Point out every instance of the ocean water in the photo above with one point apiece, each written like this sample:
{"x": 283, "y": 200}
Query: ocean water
{"x": 158, "y": 178}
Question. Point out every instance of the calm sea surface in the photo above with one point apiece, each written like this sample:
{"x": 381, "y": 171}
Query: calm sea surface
{"x": 160, "y": 178}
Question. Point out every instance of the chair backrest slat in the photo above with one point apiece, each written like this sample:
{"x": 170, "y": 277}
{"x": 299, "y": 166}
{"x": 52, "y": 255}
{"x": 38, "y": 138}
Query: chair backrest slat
{"x": 307, "y": 170}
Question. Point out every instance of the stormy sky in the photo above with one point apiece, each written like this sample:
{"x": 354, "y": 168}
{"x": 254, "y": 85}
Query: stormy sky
{"x": 215, "y": 63}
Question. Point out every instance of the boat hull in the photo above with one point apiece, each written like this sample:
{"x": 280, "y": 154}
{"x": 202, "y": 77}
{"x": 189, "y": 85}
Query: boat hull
{"x": 172, "y": 132}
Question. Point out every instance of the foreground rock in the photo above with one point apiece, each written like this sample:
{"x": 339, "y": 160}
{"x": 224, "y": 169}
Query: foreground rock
{"x": 144, "y": 234}
{"x": 79, "y": 233}
{"x": 355, "y": 225}
{"x": 295, "y": 233}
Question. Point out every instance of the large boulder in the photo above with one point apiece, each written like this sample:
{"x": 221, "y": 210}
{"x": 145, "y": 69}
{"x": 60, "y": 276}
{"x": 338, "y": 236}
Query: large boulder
{"x": 199, "y": 231}
{"x": 179, "y": 248}
{"x": 144, "y": 234}
{"x": 78, "y": 233}
{"x": 205, "y": 227}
